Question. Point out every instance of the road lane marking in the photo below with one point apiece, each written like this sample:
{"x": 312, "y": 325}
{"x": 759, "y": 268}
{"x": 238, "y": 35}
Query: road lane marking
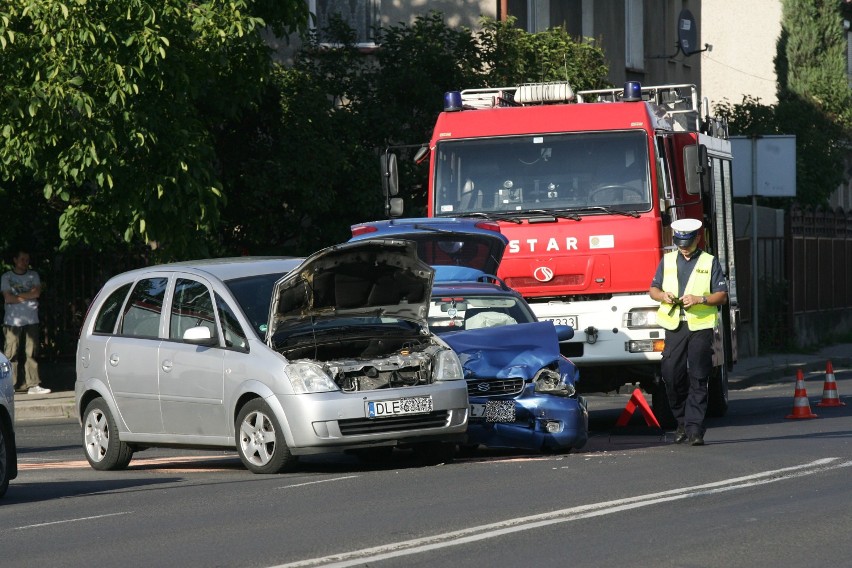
{"x": 519, "y": 524}
{"x": 318, "y": 481}
{"x": 38, "y": 525}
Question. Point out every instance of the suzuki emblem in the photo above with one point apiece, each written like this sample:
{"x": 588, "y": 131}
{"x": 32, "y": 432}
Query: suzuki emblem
{"x": 543, "y": 274}
{"x": 484, "y": 387}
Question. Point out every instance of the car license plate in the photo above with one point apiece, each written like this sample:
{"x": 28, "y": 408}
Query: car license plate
{"x": 400, "y": 406}
{"x": 494, "y": 410}
{"x": 564, "y": 320}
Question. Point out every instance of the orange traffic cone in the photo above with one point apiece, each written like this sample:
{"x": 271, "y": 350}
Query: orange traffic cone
{"x": 801, "y": 406}
{"x": 829, "y": 389}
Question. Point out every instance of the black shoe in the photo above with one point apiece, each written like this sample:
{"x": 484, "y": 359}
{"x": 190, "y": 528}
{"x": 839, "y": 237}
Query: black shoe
{"x": 696, "y": 440}
{"x": 680, "y": 435}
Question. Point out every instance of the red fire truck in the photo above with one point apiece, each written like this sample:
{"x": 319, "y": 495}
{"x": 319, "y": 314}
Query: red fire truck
{"x": 585, "y": 186}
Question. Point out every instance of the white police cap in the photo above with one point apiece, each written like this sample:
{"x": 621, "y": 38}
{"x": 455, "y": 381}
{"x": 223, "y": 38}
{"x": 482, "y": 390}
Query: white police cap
{"x": 684, "y": 231}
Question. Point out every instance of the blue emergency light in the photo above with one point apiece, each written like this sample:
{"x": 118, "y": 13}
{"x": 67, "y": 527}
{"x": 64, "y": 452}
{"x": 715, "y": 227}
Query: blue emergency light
{"x": 452, "y": 101}
{"x": 632, "y": 92}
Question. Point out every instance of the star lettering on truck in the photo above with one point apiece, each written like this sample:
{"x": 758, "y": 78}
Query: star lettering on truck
{"x": 552, "y": 245}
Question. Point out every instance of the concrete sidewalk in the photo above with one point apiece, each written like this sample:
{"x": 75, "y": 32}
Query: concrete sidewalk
{"x": 750, "y": 371}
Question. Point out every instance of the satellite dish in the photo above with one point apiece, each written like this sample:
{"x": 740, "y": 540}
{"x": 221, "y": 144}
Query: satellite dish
{"x": 687, "y": 32}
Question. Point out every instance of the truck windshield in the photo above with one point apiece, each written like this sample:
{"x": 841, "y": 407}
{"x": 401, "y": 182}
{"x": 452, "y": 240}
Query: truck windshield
{"x": 576, "y": 171}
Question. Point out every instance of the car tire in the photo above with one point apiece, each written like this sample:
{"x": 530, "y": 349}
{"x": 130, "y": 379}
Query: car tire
{"x": 434, "y": 453}
{"x": 260, "y": 439}
{"x": 5, "y": 465}
{"x": 103, "y": 447}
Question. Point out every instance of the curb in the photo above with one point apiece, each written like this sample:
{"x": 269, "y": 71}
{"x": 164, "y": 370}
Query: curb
{"x": 780, "y": 373}
{"x": 53, "y": 405}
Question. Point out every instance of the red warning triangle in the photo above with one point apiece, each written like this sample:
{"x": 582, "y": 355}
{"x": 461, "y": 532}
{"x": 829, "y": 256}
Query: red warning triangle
{"x": 637, "y": 400}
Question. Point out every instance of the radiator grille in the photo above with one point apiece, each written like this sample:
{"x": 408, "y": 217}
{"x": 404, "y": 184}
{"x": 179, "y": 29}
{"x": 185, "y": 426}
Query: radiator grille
{"x": 361, "y": 426}
{"x": 495, "y": 387}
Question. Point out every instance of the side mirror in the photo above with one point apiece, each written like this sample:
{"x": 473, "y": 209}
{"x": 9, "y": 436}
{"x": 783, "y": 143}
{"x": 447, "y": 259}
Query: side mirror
{"x": 564, "y": 332}
{"x": 390, "y": 185}
{"x": 394, "y": 207}
{"x": 697, "y": 169}
{"x": 390, "y": 175}
{"x": 199, "y": 335}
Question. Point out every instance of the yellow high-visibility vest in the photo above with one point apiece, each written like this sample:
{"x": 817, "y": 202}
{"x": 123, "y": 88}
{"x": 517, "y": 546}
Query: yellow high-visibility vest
{"x": 699, "y": 316}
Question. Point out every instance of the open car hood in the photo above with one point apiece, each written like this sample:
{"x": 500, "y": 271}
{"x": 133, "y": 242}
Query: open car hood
{"x": 451, "y": 242}
{"x": 381, "y": 278}
{"x": 509, "y": 351}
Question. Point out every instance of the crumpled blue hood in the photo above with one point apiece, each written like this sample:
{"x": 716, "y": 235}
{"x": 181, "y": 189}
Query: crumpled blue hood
{"x": 516, "y": 351}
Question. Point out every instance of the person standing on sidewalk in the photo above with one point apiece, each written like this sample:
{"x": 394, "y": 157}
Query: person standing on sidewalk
{"x": 21, "y": 289}
{"x": 690, "y": 285}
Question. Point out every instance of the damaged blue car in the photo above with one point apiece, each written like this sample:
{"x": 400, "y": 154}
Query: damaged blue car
{"x": 522, "y": 391}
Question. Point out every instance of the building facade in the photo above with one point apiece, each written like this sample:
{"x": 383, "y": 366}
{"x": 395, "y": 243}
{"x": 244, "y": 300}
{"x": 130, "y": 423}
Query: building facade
{"x": 640, "y": 37}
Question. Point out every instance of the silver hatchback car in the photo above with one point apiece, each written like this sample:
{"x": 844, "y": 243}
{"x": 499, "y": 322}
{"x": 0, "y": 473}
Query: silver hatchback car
{"x": 274, "y": 357}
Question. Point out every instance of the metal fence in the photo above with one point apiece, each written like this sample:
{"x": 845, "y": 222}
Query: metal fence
{"x": 809, "y": 270}
{"x": 70, "y": 282}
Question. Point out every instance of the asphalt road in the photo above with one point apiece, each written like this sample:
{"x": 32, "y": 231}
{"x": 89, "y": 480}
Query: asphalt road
{"x": 764, "y": 491}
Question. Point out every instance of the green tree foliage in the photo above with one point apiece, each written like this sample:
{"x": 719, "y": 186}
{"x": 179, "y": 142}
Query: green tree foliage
{"x": 109, "y": 110}
{"x": 812, "y": 57}
{"x": 512, "y": 56}
{"x": 310, "y": 155}
{"x": 814, "y": 100}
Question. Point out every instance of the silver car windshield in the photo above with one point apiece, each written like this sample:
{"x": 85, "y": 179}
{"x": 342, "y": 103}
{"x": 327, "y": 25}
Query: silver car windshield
{"x": 559, "y": 172}
{"x": 254, "y": 295}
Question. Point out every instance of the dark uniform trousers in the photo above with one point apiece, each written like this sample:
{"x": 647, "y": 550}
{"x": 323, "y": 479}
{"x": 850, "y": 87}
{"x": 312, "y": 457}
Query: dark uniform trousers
{"x": 687, "y": 362}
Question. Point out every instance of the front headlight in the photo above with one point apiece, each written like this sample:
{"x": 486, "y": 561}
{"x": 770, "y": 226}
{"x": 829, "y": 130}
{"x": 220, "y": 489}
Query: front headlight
{"x": 309, "y": 377}
{"x": 447, "y": 366}
{"x": 548, "y": 381}
{"x": 641, "y": 318}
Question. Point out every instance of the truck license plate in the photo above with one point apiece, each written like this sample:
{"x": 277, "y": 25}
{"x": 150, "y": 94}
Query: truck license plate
{"x": 564, "y": 320}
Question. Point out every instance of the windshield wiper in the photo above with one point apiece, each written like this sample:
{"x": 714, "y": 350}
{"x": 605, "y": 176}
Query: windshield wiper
{"x": 609, "y": 210}
{"x": 561, "y": 213}
{"x": 492, "y": 216}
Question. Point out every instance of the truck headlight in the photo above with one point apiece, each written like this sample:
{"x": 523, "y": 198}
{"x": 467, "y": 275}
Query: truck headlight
{"x": 309, "y": 377}
{"x": 641, "y": 318}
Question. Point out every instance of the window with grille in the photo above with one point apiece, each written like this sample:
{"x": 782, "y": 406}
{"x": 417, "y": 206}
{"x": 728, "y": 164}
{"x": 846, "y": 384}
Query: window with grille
{"x": 361, "y": 15}
{"x": 634, "y": 37}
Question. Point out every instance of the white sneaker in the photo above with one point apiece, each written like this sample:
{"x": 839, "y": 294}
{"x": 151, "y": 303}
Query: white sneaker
{"x": 37, "y": 390}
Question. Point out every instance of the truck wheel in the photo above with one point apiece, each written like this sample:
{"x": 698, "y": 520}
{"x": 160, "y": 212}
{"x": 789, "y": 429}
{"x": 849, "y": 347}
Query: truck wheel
{"x": 660, "y": 406}
{"x": 717, "y": 392}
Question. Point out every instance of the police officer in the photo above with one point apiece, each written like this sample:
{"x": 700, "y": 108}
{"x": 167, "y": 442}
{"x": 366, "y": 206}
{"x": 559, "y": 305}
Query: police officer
{"x": 690, "y": 285}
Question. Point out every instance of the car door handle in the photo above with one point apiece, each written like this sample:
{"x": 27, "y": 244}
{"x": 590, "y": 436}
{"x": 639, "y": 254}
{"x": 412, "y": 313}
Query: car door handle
{"x": 167, "y": 365}
{"x": 113, "y": 359}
